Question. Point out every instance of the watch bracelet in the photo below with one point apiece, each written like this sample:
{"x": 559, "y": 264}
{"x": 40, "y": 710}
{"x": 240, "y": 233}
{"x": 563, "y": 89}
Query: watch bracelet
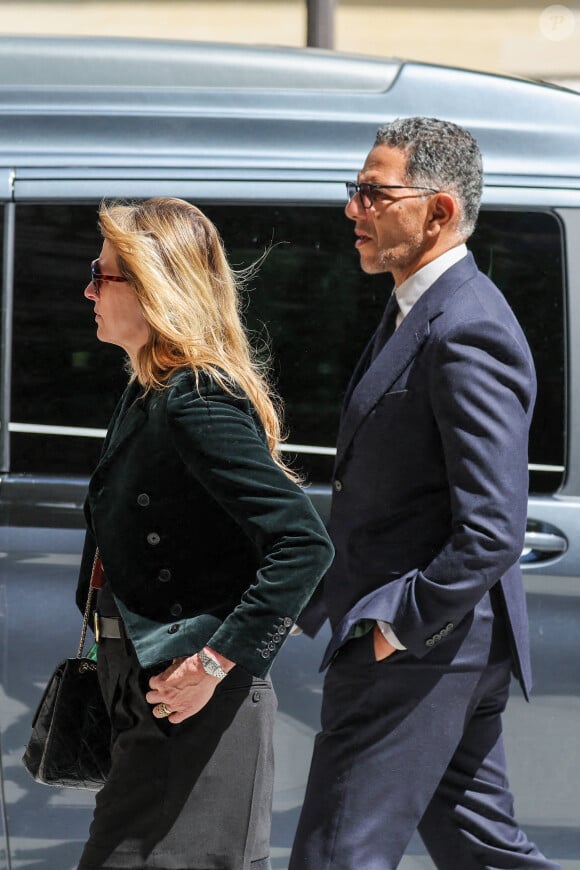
{"x": 211, "y": 666}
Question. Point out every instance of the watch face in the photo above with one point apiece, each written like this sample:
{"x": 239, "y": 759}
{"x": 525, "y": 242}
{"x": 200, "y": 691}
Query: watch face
{"x": 210, "y": 666}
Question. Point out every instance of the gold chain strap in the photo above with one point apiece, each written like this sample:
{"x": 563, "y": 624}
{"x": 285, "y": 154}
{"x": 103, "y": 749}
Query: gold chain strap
{"x": 87, "y": 613}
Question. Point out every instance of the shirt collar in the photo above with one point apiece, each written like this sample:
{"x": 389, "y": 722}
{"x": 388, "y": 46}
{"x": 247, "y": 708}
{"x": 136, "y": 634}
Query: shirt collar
{"x": 411, "y": 290}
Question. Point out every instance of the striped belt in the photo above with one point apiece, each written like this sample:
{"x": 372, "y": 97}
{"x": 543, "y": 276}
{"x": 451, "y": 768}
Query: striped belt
{"x": 107, "y": 626}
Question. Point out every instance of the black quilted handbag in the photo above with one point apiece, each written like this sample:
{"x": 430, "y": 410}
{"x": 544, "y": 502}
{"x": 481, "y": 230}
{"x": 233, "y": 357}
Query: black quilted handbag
{"x": 71, "y": 730}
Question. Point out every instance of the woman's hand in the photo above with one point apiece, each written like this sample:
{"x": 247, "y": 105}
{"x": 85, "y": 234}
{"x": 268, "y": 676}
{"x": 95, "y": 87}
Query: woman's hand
{"x": 184, "y": 688}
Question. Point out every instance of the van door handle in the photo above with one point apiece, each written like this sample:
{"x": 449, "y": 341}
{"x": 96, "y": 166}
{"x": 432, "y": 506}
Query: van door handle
{"x": 545, "y": 543}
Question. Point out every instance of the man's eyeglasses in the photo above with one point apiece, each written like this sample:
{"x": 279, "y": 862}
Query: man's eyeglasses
{"x": 367, "y": 191}
{"x": 98, "y": 277}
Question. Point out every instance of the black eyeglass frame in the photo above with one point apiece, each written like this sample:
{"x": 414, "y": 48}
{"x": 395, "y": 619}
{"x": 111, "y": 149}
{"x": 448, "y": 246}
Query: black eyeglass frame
{"x": 97, "y": 277}
{"x": 366, "y": 190}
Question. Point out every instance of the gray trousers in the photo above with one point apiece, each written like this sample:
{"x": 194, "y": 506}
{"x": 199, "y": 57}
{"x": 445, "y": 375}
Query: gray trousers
{"x": 194, "y": 796}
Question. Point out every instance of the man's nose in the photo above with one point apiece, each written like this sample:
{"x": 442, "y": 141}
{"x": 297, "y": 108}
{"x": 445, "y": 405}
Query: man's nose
{"x": 353, "y": 207}
{"x": 90, "y": 292}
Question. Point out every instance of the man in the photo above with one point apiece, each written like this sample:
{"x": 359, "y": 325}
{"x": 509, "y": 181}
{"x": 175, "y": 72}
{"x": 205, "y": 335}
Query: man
{"x": 425, "y": 596}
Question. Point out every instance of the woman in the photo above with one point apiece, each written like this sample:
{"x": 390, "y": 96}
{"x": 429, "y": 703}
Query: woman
{"x": 210, "y": 551}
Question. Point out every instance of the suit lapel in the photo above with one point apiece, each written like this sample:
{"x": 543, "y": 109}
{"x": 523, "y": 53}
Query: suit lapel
{"x": 398, "y": 352}
{"x": 391, "y": 362}
{"x": 359, "y": 370}
{"x": 129, "y": 415}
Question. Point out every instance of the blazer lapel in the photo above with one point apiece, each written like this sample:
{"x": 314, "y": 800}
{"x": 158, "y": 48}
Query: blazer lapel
{"x": 129, "y": 415}
{"x": 398, "y": 352}
{"x": 391, "y": 362}
{"x": 359, "y": 370}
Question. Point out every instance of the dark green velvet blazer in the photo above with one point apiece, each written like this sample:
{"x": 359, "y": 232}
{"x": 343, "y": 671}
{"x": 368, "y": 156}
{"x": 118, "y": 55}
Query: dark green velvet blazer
{"x": 203, "y": 539}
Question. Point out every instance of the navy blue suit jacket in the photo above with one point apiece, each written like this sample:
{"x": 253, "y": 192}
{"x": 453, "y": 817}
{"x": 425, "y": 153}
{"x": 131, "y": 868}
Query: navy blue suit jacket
{"x": 431, "y": 476}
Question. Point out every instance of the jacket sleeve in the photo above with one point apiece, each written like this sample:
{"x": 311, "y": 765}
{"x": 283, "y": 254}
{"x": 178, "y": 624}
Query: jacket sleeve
{"x": 221, "y": 443}
{"x": 482, "y": 394}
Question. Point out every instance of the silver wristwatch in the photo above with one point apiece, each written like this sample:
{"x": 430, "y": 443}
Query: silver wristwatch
{"x": 210, "y": 666}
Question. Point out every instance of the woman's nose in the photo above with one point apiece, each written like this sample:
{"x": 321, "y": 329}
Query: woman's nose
{"x": 90, "y": 292}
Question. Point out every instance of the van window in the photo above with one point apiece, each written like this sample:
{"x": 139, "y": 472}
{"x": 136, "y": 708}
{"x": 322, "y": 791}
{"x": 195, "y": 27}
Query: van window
{"x": 2, "y": 206}
{"x": 3, "y": 350}
{"x": 61, "y": 376}
{"x": 522, "y": 253}
{"x": 309, "y": 299}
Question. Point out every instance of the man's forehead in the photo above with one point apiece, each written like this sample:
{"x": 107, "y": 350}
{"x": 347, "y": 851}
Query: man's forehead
{"x": 382, "y": 159}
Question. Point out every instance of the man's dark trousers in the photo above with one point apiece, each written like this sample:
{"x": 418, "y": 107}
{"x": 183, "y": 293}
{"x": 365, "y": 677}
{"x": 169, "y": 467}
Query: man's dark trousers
{"x": 374, "y": 781}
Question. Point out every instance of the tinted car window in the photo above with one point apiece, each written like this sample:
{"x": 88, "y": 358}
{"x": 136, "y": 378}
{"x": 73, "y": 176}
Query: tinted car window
{"x": 61, "y": 375}
{"x": 522, "y": 253}
{"x": 310, "y": 300}
{"x": 4, "y": 354}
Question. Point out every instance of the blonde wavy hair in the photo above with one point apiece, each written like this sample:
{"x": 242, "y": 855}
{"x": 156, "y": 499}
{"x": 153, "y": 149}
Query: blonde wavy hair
{"x": 174, "y": 259}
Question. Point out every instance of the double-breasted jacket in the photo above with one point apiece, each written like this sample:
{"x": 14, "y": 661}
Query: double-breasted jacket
{"x": 204, "y": 539}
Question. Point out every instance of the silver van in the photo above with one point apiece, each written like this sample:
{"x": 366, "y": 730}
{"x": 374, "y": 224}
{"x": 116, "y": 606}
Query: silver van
{"x": 263, "y": 140}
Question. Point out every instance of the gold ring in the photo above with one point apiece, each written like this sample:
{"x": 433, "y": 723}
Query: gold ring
{"x": 162, "y": 710}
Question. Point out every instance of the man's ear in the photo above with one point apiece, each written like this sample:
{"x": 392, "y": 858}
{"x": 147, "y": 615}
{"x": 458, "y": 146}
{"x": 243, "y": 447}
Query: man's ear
{"x": 443, "y": 213}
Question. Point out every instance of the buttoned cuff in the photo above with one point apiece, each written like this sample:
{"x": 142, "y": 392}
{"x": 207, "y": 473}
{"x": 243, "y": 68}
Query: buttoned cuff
{"x": 389, "y": 635}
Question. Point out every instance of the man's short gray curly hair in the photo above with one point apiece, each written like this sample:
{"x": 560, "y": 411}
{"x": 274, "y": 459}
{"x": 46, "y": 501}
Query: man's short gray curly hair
{"x": 441, "y": 155}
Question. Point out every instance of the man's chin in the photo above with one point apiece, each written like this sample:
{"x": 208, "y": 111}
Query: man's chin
{"x": 372, "y": 266}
